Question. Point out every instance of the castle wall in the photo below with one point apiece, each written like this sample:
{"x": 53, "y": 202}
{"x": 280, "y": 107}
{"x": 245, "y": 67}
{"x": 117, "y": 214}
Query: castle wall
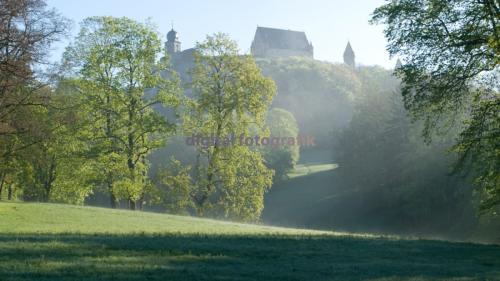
{"x": 276, "y": 53}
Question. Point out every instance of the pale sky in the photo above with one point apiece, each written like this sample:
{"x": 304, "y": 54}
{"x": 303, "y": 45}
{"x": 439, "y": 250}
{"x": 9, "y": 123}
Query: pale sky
{"x": 329, "y": 24}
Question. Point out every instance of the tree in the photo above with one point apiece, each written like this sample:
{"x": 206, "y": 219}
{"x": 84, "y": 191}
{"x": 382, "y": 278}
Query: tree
{"x": 451, "y": 53}
{"x": 27, "y": 30}
{"x": 176, "y": 188}
{"x": 281, "y": 158}
{"x": 115, "y": 66}
{"x": 231, "y": 98}
{"x": 52, "y": 168}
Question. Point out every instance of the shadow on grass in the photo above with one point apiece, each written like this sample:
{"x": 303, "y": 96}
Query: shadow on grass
{"x": 212, "y": 257}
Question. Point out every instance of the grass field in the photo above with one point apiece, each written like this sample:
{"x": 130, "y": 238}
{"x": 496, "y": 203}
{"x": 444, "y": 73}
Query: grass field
{"x": 60, "y": 242}
{"x": 304, "y": 170}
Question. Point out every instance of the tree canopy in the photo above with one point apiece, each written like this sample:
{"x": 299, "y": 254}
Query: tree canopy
{"x": 231, "y": 98}
{"x": 114, "y": 64}
{"x": 450, "y": 52}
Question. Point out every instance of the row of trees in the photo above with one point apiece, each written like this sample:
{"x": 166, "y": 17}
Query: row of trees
{"x": 91, "y": 128}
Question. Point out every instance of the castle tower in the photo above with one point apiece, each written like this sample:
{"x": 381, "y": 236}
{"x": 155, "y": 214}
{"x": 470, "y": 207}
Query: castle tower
{"x": 173, "y": 45}
{"x": 349, "y": 57}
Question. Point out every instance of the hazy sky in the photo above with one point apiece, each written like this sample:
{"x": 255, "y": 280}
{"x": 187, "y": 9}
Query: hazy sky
{"x": 329, "y": 24}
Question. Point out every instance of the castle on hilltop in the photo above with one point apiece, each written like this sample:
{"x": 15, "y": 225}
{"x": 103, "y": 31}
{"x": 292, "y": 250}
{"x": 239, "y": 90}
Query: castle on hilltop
{"x": 273, "y": 42}
{"x": 267, "y": 43}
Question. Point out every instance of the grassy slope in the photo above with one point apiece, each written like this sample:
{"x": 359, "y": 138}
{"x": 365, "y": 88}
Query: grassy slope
{"x": 58, "y": 242}
{"x": 304, "y": 198}
{"x": 55, "y": 218}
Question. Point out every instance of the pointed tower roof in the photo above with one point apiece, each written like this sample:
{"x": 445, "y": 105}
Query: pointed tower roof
{"x": 348, "y": 49}
{"x": 349, "y": 57}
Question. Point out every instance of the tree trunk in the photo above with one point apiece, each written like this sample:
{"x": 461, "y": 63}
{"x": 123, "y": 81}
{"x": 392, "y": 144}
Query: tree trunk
{"x": 47, "y": 186}
{"x": 112, "y": 197}
{"x": 131, "y": 204}
{"x": 113, "y": 201}
{"x": 140, "y": 203}
{"x": 51, "y": 177}
{"x": 2, "y": 182}
{"x": 108, "y": 130}
{"x": 131, "y": 146}
{"x": 10, "y": 192}
{"x": 200, "y": 201}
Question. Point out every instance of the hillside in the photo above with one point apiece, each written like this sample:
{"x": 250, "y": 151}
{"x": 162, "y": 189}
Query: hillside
{"x": 60, "y": 242}
{"x": 55, "y": 219}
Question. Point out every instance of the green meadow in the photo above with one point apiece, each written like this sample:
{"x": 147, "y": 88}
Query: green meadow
{"x": 63, "y": 242}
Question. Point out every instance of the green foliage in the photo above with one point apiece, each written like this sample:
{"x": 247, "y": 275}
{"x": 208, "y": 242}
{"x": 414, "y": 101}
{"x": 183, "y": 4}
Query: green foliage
{"x": 242, "y": 180}
{"x": 28, "y": 30}
{"x": 49, "y": 167}
{"x": 318, "y": 94}
{"x": 282, "y": 158}
{"x": 451, "y": 53}
{"x": 176, "y": 188}
{"x": 231, "y": 98}
{"x": 114, "y": 65}
{"x": 479, "y": 144}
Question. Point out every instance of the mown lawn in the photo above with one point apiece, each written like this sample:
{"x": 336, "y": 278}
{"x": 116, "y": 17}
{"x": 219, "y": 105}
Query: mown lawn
{"x": 59, "y": 242}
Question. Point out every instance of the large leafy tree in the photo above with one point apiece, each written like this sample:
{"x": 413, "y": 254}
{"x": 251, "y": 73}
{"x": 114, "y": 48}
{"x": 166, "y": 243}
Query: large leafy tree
{"x": 52, "y": 167}
{"x": 231, "y": 98}
{"x": 27, "y": 30}
{"x": 116, "y": 67}
{"x": 451, "y": 52}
